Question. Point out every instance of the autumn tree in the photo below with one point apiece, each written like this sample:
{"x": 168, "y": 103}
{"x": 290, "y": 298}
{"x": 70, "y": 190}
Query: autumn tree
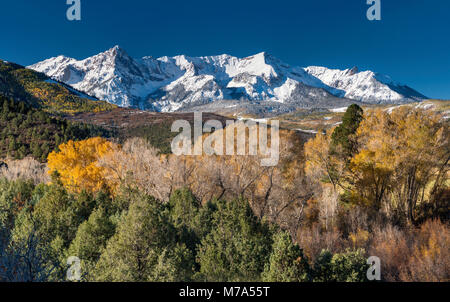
{"x": 383, "y": 160}
{"x": 328, "y": 153}
{"x": 325, "y": 172}
{"x": 77, "y": 164}
{"x": 401, "y": 155}
{"x": 321, "y": 164}
{"x": 138, "y": 165}
{"x": 279, "y": 193}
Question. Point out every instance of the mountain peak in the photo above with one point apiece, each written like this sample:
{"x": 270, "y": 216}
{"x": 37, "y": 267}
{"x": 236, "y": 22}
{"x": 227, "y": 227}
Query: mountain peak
{"x": 352, "y": 71}
{"x": 116, "y": 51}
{"x": 171, "y": 83}
{"x": 116, "y": 48}
{"x": 263, "y": 55}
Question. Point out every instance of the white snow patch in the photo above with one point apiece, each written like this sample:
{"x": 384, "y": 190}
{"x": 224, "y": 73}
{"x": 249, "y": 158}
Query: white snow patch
{"x": 261, "y": 120}
{"x": 426, "y": 106}
{"x": 339, "y": 110}
{"x": 307, "y": 131}
{"x": 390, "y": 109}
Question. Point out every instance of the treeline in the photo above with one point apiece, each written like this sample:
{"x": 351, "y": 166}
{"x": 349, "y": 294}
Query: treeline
{"x": 30, "y": 131}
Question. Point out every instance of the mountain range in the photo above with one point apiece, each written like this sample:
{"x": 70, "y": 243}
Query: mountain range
{"x": 183, "y": 83}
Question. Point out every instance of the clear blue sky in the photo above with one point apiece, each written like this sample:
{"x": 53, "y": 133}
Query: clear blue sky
{"x": 411, "y": 43}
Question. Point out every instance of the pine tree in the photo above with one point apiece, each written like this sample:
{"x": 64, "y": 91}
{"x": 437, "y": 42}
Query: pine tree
{"x": 91, "y": 238}
{"x": 142, "y": 235}
{"x": 184, "y": 214}
{"x": 237, "y": 247}
{"x": 287, "y": 262}
{"x": 343, "y": 140}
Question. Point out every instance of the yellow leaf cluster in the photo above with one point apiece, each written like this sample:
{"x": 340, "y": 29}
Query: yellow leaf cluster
{"x": 77, "y": 164}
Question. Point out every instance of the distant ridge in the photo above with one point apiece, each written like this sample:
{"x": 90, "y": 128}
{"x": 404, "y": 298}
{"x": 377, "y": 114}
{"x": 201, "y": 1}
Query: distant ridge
{"x": 169, "y": 84}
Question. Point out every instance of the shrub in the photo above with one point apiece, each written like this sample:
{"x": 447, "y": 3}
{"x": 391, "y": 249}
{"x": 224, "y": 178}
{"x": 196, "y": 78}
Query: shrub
{"x": 313, "y": 240}
{"x": 323, "y": 270}
{"x": 27, "y": 168}
{"x": 430, "y": 259}
{"x": 350, "y": 266}
{"x": 392, "y": 246}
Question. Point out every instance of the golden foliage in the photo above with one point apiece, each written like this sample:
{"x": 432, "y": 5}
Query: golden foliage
{"x": 401, "y": 160}
{"x": 77, "y": 164}
{"x": 400, "y": 154}
{"x": 321, "y": 164}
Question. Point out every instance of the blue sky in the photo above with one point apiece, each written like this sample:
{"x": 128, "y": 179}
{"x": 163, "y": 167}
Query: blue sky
{"x": 411, "y": 43}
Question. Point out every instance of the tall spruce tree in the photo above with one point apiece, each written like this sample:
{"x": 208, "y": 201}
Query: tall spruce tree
{"x": 343, "y": 142}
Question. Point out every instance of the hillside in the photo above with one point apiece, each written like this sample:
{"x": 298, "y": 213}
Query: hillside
{"x": 31, "y": 131}
{"x": 37, "y": 90}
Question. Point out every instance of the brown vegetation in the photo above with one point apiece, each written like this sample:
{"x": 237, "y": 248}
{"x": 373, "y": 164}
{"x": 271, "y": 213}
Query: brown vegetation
{"x": 27, "y": 168}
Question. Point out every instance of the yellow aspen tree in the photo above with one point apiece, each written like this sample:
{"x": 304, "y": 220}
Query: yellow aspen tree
{"x": 77, "y": 164}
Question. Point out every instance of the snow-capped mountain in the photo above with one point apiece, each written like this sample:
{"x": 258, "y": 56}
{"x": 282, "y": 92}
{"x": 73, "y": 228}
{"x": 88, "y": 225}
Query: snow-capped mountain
{"x": 178, "y": 83}
{"x": 365, "y": 86}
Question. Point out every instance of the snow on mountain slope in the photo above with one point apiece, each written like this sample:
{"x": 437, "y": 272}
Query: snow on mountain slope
{"x": 176, "y": 83}
{"x": 365, "y": 86}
